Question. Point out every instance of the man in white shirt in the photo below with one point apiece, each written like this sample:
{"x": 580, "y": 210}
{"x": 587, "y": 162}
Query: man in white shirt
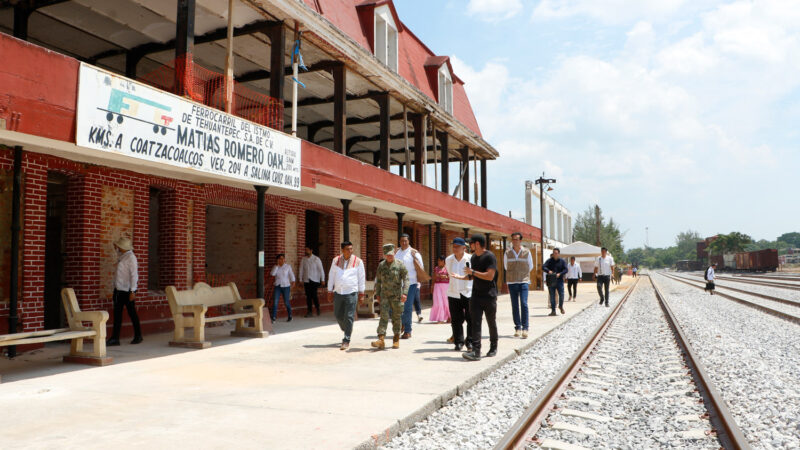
{"x": 574, "y": 275}
{"x": 407, "y": 255}
{"x": 346, "y": 285}
{"x": 459, "y": 292}
{"x": 603, "y": 269}
{"x": 126, "y": 280}
{"x": 312, "y": 275}
{"x": 518, "y": 264}
{"x": 284, "y": 277}
{"x": 710, "y": 277}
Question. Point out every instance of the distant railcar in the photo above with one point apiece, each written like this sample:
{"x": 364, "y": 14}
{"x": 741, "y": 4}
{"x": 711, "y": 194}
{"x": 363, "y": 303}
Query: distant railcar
{"x": 757, "y": 261}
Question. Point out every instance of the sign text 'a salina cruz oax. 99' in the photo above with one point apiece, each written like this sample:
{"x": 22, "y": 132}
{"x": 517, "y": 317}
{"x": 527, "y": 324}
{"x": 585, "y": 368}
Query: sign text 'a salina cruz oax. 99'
{"x": 122, "y": 116}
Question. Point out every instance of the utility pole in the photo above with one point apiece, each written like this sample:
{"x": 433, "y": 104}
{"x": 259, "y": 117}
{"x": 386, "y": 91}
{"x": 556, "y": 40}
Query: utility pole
{"x": 541, "y": 181}
{"x": 597, "y": 224}
{"x": 646, "y": 237}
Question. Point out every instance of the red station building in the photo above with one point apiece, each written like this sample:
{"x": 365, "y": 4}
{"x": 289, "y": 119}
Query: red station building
{"x": 113, "y": 123}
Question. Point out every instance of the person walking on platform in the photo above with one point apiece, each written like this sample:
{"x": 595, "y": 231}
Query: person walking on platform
{"x": 603, "y": 269}
{"x": 459, "y": 292}
{"x": 126, "y": 281}
{"x": 518, "y": 264}
{"x": 312, "y": 275}
{"x": 555, "y": 270}
{"x": 440, "y": 311}
{"x": 635, "y": 271}
{"x": 412, "y": 259}
{"x": 574, "y": 275}
{"x": 391, "y": 289}
{"x": 710, "y": 277}
{"x": 284, "y": 277}
{"x": 483, "y": 269}
{"x": 346, "y": 285}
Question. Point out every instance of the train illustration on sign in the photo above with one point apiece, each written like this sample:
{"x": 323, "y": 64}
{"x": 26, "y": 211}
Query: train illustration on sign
{"x": 122, "y": 105}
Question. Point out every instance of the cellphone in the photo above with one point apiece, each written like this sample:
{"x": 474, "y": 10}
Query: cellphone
{"x": 469, "y": 277}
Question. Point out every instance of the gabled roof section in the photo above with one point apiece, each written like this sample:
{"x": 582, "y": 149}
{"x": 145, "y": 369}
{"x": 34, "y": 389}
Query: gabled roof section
{"x": 356, "y": 19}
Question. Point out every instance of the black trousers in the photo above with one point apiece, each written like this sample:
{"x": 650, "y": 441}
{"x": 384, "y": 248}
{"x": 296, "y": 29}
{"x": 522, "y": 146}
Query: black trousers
{"x": 572, "y": 287}
{"x": 123, "y": 300}
{"x": 603, "y": 281}
{"x": 311, "y": 295}
{"x": 477, "y": 308}
{"x": 459, "y": 313}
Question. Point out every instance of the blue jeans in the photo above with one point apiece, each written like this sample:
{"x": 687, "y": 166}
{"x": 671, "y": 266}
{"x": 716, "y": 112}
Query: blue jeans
{"x": 560, "y": 288}
{"x": 286, "y": 293}
{"x": 519, "y": 304}
{"x": 413, "y": 295}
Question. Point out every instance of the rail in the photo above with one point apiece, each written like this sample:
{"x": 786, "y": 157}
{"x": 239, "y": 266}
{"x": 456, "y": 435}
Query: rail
{"x": 526, "y": 427}
{"x": 733, "y": 438}
{"x": 762, "y": 308}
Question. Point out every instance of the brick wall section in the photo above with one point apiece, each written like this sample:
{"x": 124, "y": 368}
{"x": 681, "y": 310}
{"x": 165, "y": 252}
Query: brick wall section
{"x": 183, "y": 232}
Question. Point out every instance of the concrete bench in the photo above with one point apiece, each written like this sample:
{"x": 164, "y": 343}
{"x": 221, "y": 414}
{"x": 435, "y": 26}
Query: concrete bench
{"x": 189, "y": 309}
{"x": 76, "y": 333}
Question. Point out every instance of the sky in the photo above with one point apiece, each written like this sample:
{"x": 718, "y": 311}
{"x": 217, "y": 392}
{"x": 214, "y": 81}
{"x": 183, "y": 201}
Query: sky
{"x": 672, "y": 115}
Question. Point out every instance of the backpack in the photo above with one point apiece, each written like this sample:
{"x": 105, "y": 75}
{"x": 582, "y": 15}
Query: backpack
{"x": 705, "y": 275}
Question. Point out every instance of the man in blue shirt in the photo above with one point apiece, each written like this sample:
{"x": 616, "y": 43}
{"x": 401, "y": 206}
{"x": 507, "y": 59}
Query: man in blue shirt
{"x": 555, "y": 269}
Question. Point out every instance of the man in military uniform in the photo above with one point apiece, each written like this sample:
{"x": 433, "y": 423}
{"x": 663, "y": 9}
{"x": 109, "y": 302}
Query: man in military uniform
{"x": 391, "y": 289}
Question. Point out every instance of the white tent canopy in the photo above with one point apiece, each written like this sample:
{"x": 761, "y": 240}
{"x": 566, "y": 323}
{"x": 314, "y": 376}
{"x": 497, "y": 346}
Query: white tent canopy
{"x": 580, "y": 249}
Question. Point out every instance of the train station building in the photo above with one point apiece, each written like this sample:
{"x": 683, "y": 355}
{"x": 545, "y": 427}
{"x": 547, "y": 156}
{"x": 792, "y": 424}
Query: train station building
{"x": 117, "y": 119}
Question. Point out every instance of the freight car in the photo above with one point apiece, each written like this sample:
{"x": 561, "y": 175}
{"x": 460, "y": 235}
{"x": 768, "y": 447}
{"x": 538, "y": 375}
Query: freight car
{"x": 688, "y": 265}
{"x": 757, "y": 261}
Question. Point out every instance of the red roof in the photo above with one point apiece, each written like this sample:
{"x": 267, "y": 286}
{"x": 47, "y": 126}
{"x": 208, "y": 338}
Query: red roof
{"x": 354, "y": 17}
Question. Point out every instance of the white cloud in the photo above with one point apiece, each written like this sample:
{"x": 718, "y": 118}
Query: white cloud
{"x": 494, "y": 10}
{"x": 607, "y": 11}
{"x": 668, "y": 116}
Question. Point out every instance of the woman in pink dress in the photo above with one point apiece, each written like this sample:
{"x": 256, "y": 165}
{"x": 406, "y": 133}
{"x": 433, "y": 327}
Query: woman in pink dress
{"x": 440, "y": 312}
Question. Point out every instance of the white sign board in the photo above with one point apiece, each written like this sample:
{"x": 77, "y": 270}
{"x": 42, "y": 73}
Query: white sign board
{"x": 122, "y": 116}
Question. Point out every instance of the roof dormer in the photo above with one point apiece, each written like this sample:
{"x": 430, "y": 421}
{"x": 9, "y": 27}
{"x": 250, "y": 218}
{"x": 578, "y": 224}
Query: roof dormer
{"x": 382, "y": 27}
{"x": 441, "y": 77}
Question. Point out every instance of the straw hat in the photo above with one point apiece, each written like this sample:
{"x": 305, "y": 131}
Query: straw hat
{"x": 124, "y": 243}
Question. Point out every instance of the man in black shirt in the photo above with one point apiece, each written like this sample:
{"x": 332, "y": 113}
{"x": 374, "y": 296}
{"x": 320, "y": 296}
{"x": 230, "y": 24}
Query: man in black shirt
{"x": 554, "y": 271}
{"x": 483, "y": 269}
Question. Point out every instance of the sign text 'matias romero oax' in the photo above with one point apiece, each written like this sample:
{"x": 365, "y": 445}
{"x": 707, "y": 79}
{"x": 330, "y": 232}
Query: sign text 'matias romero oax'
{"x": 122, "y": 116}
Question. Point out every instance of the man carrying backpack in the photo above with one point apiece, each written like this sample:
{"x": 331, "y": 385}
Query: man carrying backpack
{"x": 709, "y": 276}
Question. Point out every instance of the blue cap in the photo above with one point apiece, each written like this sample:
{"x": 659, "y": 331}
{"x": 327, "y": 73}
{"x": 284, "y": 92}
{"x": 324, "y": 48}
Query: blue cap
{"x": 459, "y": 241}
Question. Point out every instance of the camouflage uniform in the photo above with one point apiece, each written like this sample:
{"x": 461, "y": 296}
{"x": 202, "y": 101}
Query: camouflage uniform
{"x": 390, "y": 284}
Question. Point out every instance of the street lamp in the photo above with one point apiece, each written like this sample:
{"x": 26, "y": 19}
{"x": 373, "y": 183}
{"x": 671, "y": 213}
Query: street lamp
{"x": 541, "y": 181}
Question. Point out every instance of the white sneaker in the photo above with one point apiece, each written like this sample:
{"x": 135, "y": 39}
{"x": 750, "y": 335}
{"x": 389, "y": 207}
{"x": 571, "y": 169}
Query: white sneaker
{"x": 524, "y": 334}
{"x": 516, "y": 333}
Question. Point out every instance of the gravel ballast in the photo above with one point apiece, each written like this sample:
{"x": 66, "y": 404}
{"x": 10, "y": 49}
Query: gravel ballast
{"x": 752, "y": 358}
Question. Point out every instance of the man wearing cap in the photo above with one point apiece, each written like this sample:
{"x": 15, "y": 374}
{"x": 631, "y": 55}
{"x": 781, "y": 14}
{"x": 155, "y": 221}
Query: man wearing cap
{"x": 459, "y": 292}
{"x": 483, "y": 269}
{"x": 126, "y": 279}
{"x": 391, "y": 290}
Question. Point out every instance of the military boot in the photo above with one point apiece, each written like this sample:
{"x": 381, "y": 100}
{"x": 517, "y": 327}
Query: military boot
{"x": 395, "y": 341}
{"x": 379, "y": 344}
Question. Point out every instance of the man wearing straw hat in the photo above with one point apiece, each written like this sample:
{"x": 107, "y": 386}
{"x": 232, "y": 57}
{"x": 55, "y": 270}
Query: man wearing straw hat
{"x": 126, "y": 279}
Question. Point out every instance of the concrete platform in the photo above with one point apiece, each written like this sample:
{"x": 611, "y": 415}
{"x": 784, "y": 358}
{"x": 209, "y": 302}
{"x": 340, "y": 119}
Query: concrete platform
{"x": 295, "y": 389}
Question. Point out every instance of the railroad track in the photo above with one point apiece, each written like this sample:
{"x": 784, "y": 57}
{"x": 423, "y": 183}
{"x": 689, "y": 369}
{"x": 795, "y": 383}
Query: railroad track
{"x": 581, "y": 405}
{"x": 744, "y": 291}
{"x": 792, "y": 286}
{"x": 791, "y": 317}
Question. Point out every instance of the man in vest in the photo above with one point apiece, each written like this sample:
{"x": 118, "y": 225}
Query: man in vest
{"x": 518, "y": 264}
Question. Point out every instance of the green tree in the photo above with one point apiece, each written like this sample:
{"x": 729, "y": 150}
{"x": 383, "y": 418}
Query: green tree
{"x": 686, "y": 243}
{"x": 729, "y": 243}
{"x": 586, "y": 229}
{"x": 793, "y": 239}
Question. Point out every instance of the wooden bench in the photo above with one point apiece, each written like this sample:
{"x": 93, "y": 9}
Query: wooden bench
{"x": 189, "y": 309}
{"x": 371, "y": 307}
{"x": 76, "y": 333}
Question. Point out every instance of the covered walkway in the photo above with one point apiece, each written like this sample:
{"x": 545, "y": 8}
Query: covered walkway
{"x": 291, "y": 390}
